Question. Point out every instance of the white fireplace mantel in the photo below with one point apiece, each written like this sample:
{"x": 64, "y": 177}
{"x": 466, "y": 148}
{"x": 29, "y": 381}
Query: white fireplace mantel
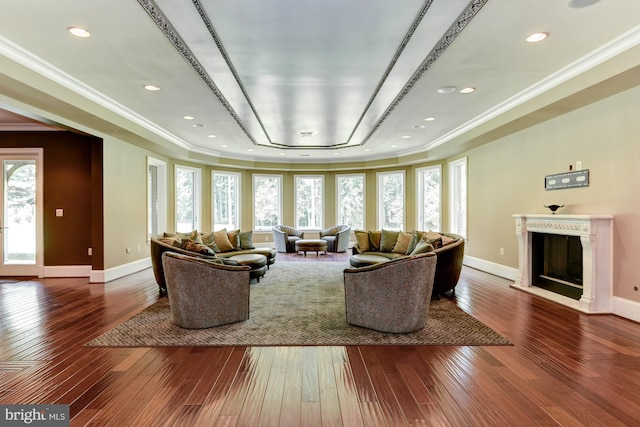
{"x": 596, "y": 236}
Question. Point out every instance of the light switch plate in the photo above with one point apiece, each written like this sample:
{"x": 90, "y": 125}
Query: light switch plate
{"x": 59, "y": 212}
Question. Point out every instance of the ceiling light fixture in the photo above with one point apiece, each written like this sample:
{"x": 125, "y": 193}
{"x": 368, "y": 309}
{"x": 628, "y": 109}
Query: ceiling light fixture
{"x": 537, "y": 37}
{"x": 406, "y": 136}
{"x": 446, "y": 89}
{"x": 283, "y": 154}
{"x": 79, "y": 32}
{"x": 336, "y": 154}
{"x": 250, "y": 149}
{"x": 188, "y": 117}
{"x": 468, "y": 89}
{"x": 151, "y": 88}
{"x": 197, "y": 125}
{"x": 366, "y": 149}
{"x": 211, "y": 136}
{"x": 393, "y": 146}
{"x": 429, "y": 119}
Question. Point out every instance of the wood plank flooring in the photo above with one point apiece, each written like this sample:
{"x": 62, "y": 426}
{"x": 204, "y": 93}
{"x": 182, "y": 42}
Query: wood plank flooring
{"x": 565, "y": 368}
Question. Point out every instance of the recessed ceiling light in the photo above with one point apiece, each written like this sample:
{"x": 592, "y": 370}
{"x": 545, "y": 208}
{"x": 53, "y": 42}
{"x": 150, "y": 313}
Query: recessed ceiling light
{"x": 468, "y": 89}
{"x": 79, "y": 32}
{"x": 577, "y": 4}
{"x": 250, "y": 149}
{"x": 211, "y": 136}
{"x": 188, "y": 117}
{"x": 446, "y": 89}
{"x": 283, "y": 154}
{"x": 393, "y": 146}
{"x": 197, "y": 125}
{"x": 151, "y": 88}
{"x": 336, "y": 154}
{"x": 429, "y": 119}
{"x": 366, "y": 149}
{"x": 537, "y": 37}
{"x": 224, "y": 145}
{"x": 406, "y": 136}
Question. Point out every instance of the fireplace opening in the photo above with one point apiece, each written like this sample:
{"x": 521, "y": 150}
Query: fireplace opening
{"x": 557, "y": 264}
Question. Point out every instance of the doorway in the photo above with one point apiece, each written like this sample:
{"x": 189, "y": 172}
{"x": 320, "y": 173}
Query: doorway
{"x": 21, "y": 222}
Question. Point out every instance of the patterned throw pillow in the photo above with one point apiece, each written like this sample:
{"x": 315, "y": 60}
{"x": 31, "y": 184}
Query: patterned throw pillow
{"x": 388, "y": 240}
{"x": 193, "y": 235}
{"x": 197, "y": 247}
{"x": 222, "y": 240}
{"x": 362, "y": 239}
{"x": 246, "y": 240}
{"x": 402, "y": 244}
{"x": 210, "y": 240}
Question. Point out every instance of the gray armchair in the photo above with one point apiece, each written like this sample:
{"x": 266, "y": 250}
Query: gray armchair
{"x": 337, "y": 238}
{"x": 203, "y": 293}
{"x": 391, "y": 296}
{"x": 284, "y": 238}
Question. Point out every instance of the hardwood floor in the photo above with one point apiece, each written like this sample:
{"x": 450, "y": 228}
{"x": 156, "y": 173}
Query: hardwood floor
{"x": 565, "y": 368}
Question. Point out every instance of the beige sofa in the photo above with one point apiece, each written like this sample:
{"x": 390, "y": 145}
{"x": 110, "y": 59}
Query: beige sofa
{"x": 448, "y": 247}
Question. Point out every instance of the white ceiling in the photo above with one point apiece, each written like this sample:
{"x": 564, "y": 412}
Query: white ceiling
{"x": 298, "y": 80}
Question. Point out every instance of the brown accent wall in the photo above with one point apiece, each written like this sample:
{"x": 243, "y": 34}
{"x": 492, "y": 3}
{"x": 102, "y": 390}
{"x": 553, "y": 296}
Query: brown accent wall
{"x": 73, "y": 182}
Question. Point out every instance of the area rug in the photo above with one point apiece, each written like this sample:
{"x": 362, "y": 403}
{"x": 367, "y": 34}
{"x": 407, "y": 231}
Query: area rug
{"x": 297, "y": 303}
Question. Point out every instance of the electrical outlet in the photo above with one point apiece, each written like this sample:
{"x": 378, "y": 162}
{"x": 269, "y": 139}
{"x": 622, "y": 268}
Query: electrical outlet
{"x": 90, "y": 251}
{"x": 139, "y": 248}
{"x": 501, "y": 251}
{"x": 578, "y": 165}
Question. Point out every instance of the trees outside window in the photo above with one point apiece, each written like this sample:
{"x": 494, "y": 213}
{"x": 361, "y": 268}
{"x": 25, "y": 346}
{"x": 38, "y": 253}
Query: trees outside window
{"x": 188, "y": 184}
{"x": 428, "y": 186}
{"x": 309, "y": 201}
{"x": 350, "y": 200}
{"x": 267, "y": 201}
{"x": 458, "y": 196}
{"x": 226, "y": 200}
{"x": 391, "y": 200}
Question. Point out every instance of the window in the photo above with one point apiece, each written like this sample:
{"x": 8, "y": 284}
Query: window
{"x": 458, "y": 197}
{"x": 309, "y": 196}
{"x": 350, "y": 203}
{"x": 187, "y": 198}
{"x": 226, "y": 200}
{"x": 156, "y": 196}
{"x": 428, "y": 184}
{"x": 391, "y": 200}
{"x": 267, "y": 201}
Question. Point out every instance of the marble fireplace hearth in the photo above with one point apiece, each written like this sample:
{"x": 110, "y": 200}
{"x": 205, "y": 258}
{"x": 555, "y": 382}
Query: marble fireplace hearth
{"x": 596, "y": 235}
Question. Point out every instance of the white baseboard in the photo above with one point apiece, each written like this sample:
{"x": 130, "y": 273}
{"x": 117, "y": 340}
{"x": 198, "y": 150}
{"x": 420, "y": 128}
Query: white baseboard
{"x": 103, "y": 276}
{"x": 490, "y": 267}
{"x": 625, "y": 308}
{"x": 67, "y": 271}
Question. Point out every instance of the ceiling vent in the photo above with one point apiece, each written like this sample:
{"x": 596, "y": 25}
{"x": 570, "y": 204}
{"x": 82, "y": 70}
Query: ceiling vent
{"x": 306, "y": 134}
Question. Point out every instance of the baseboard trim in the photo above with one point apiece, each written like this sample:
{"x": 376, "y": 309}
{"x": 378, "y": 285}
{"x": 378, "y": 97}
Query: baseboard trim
{"x": 103, "y": 276}
{"x": 625, "y": 308}
{"x": 67, "y": 271}
{"x": 490, "y": 267}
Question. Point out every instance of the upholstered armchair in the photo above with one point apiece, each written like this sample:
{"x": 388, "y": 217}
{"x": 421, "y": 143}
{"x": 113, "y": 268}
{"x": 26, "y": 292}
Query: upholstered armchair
{"x": 337, "y": 238}
{"x": 284, "y": 238}
{"x": 392, "y": 296}
{"x": 205, "y": 293}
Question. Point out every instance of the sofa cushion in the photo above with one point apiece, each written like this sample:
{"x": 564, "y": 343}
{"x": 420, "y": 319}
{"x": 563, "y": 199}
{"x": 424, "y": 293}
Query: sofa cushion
{"x": 415, "y": 238}
{"x": 402, "y": 244}
{"x": 423, "y": 246}
{"x": 363, "y": 241}
{"x": 246, "y": 240}
{"x": 234, "y": 238}
{"x": 222, "y": 240}
{"x": 374, "y": 237}
{"x": 210, "y": 240}
{"x": 197, "y": 247}
{"x": 388, "y": 239}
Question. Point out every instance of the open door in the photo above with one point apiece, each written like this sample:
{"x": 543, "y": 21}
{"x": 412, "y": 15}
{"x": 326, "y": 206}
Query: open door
{"x": 21, "y": 223}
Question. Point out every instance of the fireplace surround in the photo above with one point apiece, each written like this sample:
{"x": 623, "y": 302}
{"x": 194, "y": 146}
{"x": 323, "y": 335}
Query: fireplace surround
{"x": 596, "y": 235}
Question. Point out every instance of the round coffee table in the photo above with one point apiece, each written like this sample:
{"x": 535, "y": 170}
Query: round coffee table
{"x": 312, "y": 245}
{"x": 257, "y": 263}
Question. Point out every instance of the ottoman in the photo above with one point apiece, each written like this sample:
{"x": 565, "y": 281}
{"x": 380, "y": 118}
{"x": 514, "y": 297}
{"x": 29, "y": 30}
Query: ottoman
{"x": 257, "y": 263}
{"x": 316, "y": 245}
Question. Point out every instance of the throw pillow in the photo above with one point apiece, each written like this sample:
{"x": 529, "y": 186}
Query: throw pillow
{"x": 193, "y": 235}
{"x": 434, "y": 238}
{"x": 222, "y": 240}
{"x": 388, "y": 240}
{"x": 362, "y": 240}
{"x": 402, "y": 244}
{"x": 375, "y": 237}
{"x": 197, "y": 247}
{"x": 422, "y": 247}
{"x": 246, "y": 240}
{"x": 234, "y": 238}
{"x": 446, "y": 240}
{"x": 415, "y": 238}
{"x": 210, "y": 240}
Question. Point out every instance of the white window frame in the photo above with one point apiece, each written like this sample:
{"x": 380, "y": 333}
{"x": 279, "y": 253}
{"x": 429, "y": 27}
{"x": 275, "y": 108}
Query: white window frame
{"x": 319, "y": 226}
{"x": 458, "y": 193}
{"x": 253, "y": 196}
{"x": 380, "y": 197}
{"x": 420, "y": 196}
{"x": 364, "y": 199}
{"x": 161, "y": 208}
{"x": 238, "y": 178}
{"x": 197, "y": 195}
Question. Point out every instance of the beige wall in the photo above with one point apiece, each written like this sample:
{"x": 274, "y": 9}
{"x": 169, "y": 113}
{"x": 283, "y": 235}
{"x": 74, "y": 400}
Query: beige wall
{"x": 507, "y": 177}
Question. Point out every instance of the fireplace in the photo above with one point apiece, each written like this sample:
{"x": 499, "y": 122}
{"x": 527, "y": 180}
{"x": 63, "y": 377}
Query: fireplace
{"x": 567, "y": 259}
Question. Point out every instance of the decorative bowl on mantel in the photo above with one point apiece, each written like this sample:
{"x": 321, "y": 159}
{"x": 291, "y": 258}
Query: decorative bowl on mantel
{"x": 554, "y": 208}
